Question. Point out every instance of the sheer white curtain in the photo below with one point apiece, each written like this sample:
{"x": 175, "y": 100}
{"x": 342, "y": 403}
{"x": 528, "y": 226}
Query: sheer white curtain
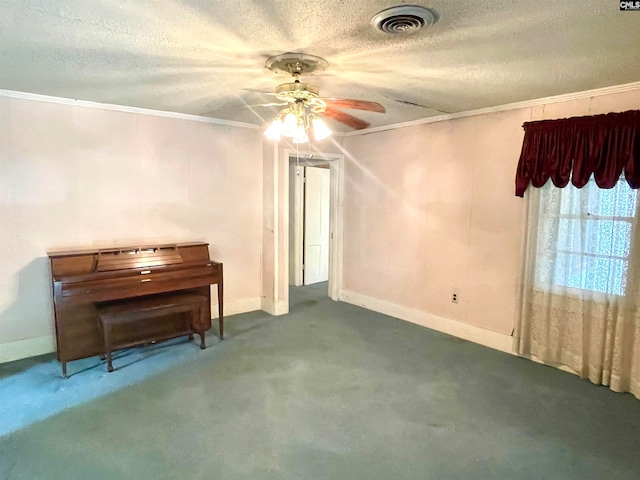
{"x": 580, "y": 288}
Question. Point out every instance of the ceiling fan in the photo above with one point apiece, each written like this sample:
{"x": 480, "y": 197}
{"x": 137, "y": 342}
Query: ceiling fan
{"x": 304, "y": 104}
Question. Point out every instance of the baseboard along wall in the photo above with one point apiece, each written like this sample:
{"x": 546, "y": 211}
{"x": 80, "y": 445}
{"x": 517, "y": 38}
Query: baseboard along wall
{"x": 487, "y": 338}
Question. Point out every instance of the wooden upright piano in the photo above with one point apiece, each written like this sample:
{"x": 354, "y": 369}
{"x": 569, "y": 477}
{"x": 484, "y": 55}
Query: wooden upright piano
{"x": 85, "y": 280}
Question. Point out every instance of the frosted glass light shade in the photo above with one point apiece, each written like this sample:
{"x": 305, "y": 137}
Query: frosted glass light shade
{"x": 289, "y": 125}
{"x": 273, "y": 132}
{"x": 320, "y": 129}
{"x": 300, "y": 135}
{"x": 294, "y": 123}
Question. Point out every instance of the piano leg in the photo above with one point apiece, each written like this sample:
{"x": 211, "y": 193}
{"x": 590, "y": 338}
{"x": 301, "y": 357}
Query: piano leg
{"x": 220, "y": 318}
{"x": 64, "y": 370}
{"x": 107, "y": 346}
{"x": 109, "y": 363}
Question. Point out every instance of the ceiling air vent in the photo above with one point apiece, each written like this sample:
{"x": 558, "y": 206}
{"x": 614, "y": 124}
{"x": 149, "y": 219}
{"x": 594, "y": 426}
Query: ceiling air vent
{"x": 403, "y": 19}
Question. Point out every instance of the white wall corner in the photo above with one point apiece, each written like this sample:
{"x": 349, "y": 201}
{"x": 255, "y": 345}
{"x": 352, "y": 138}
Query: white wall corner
{"x": 481, "y": 336}
{"x": 30, "y": 347}
{"x": 275, "y": 308}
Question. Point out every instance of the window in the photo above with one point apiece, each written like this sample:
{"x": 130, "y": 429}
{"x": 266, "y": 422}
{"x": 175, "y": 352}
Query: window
{"x": 584, "y": 237}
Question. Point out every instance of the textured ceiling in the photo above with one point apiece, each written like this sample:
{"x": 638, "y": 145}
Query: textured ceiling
{"x": 207, "y": 57}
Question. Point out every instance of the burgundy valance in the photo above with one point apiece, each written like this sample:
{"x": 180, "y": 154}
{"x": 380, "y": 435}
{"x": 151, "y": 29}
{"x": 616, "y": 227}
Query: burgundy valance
{"x": 574, "y": 148}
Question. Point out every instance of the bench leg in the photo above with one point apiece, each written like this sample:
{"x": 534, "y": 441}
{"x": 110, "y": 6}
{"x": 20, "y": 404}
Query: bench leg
{"x": 192, "y": 318}
{"x": 64, "y": 369}
{"x": 202, "y": 312}
{"x": 109, "y": 362}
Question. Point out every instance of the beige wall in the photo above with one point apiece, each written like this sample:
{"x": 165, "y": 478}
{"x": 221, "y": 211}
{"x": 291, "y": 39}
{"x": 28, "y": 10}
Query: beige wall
{"x": 431, "y": 209}
{"x": 73, "y": 176}
{"x": 428, "y": 210}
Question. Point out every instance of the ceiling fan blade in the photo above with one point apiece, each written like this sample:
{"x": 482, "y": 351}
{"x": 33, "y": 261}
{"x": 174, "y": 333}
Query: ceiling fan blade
{"x": 348, "y": 120}
{"x": 355, "y": 104}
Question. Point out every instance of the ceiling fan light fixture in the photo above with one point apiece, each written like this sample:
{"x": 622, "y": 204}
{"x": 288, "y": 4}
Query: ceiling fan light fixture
{"x": 403, "y": 19}
{"x": 294, "y": 122}
{"x": 300, "y": 135}
{"x": 304, "y": 102}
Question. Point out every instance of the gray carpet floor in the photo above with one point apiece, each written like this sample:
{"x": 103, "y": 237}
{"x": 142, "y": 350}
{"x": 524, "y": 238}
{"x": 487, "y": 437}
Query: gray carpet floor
{"x": 329, "y": 391}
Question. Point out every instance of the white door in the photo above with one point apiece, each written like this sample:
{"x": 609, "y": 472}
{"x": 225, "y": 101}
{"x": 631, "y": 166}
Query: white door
{"x": 316, "y": 225}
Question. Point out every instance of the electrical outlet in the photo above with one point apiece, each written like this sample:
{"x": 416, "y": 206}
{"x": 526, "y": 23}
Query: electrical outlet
{"x": 454, "y": 297}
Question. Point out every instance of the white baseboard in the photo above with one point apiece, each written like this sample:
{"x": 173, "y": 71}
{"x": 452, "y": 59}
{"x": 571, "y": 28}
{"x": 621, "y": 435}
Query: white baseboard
{"x": 29, "y": 347}
{"x": 235, "y": 307}
{"x": 32, "y": 347}
{"x": 275, "y": 308}
{"x": 487, "y": 338}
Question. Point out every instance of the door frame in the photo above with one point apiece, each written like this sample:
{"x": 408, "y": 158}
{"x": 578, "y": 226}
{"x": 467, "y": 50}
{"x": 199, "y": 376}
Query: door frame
{"x": 296, "y": 229}
{"x": 336, "y": 188}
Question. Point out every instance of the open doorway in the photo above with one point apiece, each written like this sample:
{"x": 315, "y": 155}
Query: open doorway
{"x": 314, "y": 216}
{"x": 309, "y": 220}
{"x": 325, "y": 253}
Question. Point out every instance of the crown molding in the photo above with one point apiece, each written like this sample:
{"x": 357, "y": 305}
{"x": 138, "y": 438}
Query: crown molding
{"x": 438, "y": 118}
{"x": 501, "y": 108}
{"x": 120, "y": 108}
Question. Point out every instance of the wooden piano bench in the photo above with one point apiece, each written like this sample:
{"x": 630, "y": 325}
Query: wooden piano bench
{"x": 138, "y": 309}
